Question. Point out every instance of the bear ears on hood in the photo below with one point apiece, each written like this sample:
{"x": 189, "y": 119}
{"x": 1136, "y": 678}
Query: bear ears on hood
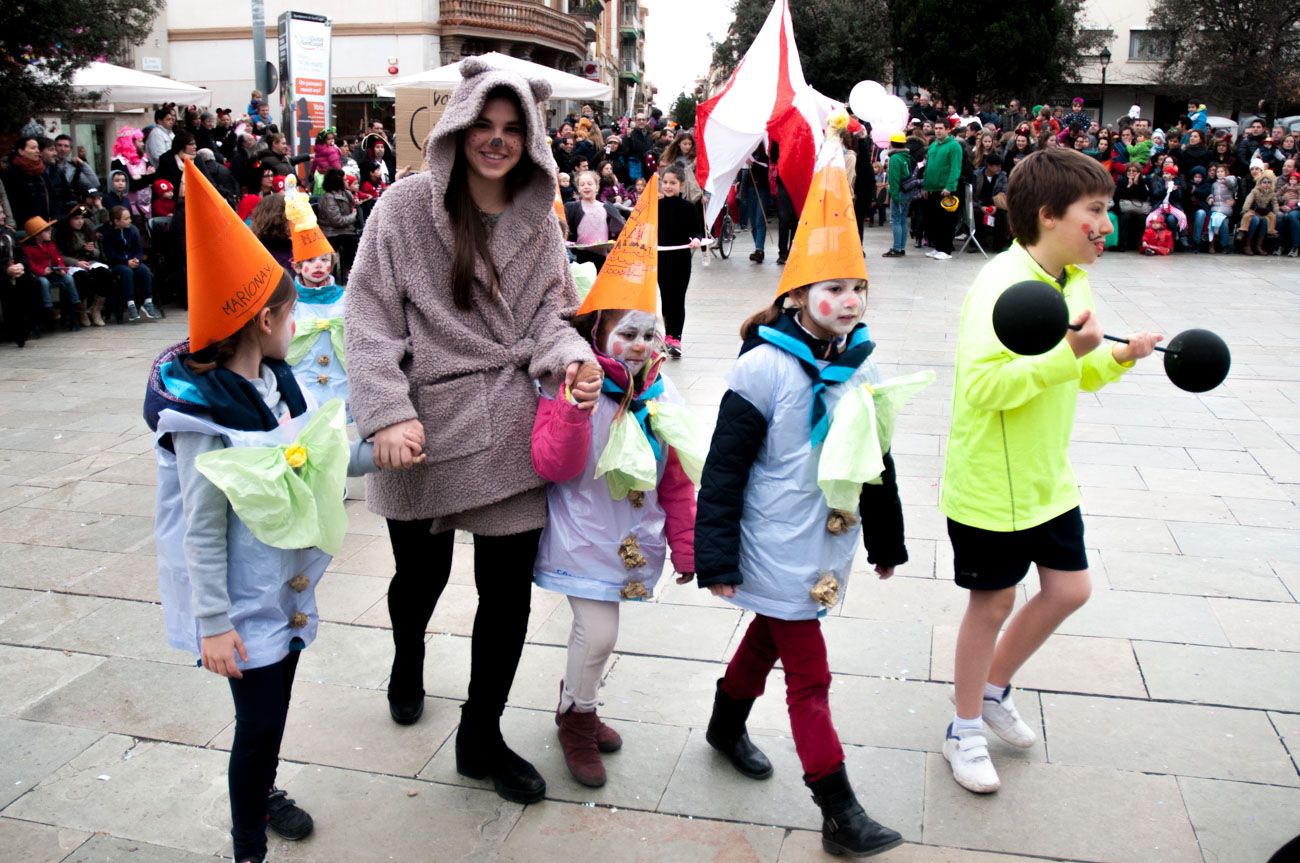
{"x": 472, "y": 66}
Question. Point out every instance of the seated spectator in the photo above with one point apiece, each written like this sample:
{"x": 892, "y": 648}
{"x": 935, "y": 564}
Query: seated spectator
{"x": 1157, "y": 240}
{"x": 1140, "y": 152}
{"x": 92, "y": 200}
{"x": 338, "y": 218}
{"x": 123, "y": 252}
{"x": 219, "y": 176}
{"x": 28, "y": 184}
{"x": 992, "y": 227}
{"x": 1259, "y": 214}
{"x": 1167, "y": 198}
{"x": 1289, "y": 214}
{"x": 1223, "y": 200}
{"x": 258, "y": 183}
{"x": 611, "y": 190}
{"x": 1194, "y": 153}
{"x": 50, "y": 271}
{"x": 78, "y": 242}
{"x": 1133, "y": 199}
{"x": 373, "y": 184}
{"x": 1198, "y": 206}
{"x": 19, "y": 290}
{"x": 164, "y": 199}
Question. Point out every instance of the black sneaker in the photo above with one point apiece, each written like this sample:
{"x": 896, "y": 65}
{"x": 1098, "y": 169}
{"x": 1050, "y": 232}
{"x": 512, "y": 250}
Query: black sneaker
{"x": 894, "y": 253}
{"x": 284, "y": 816}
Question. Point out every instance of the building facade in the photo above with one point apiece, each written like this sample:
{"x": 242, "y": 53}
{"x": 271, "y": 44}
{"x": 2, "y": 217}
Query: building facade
{"x": 210, "y": 44}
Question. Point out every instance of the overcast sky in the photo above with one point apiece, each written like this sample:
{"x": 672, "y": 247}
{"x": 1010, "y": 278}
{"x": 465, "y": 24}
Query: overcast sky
{"x": 677, "y": 42}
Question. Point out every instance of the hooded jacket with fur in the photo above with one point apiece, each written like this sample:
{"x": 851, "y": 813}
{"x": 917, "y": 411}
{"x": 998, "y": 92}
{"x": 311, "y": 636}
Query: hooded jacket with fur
{"x": 467, "y": 375}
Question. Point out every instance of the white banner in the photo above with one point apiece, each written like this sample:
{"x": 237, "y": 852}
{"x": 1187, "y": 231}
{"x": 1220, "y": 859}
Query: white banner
{"x": 304, "y": 42}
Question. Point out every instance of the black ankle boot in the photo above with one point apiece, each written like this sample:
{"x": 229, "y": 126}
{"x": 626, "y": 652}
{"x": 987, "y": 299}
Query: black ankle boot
{"x": 727, "y": 734}
{"x": 481, "y": 753}
{"x": 847, "y": 830}
{"x": 406, "y": 682}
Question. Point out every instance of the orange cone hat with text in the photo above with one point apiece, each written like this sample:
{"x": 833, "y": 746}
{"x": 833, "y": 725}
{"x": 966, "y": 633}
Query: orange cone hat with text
{"x": 231, "y": 274}
{"x": 826, "y": 243}
{"x": 629, "y": 278}
{"x": 308, "y": 241}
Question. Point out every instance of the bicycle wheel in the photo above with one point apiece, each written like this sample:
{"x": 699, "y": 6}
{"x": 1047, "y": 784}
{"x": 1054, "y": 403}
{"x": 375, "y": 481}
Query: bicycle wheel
{"x": 726, "y": 236}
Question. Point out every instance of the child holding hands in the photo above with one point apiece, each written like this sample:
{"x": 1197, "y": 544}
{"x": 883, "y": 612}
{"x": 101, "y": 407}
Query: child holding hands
{"x": 622, "y": 492}
{"x": 1008, "y": 489}
{"x": 237, "y": 584}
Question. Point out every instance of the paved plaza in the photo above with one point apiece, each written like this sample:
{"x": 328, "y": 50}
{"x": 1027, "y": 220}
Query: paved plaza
{"x": 1168, "y": 708}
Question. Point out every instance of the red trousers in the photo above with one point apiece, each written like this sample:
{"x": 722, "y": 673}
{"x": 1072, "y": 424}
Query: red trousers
{"x": 802, "y": 651}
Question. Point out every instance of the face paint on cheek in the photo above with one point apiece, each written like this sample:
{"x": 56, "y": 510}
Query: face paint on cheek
{"x": 616, "y": 349}
{"x": 825, "y": 308}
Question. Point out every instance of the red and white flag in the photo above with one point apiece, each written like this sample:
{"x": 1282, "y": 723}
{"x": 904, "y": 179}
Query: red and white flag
{"x": 766, "y": 98}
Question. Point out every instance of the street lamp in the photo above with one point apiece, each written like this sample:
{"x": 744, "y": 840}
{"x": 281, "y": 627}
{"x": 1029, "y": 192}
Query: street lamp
{"x": 1104, "y": 57}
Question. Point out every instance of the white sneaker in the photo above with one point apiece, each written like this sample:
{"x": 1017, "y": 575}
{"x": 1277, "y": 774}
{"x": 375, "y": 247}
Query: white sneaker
{"x": 931, "y": 253}
{"x": 971, "y": 765}
{"x": 1005, "y": 720}
{"x": 941, "y": 256}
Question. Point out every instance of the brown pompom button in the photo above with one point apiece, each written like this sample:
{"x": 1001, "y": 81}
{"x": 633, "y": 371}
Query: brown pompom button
{"x": 299, "y": 582}
{"x": 322, "y": 379}
{"x": 324, "y": 359}
{"x": 298, "y": 621}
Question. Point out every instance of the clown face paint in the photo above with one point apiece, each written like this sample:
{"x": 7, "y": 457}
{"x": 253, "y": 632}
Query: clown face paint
{"x": 834, "y": 307}
{"x": 315, "y": 272}
{"x": 631, "y": 340}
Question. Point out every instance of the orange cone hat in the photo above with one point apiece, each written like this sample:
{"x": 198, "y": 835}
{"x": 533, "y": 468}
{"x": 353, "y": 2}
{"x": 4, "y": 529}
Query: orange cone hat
{"x": 826, "y": 244}
{"x": 231, "y": 274}
{"x": 308, "y": 241}
{"x": 629, "y": 278}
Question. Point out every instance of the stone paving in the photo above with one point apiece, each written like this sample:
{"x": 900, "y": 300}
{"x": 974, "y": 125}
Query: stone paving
{"x": 1169, "y": 707}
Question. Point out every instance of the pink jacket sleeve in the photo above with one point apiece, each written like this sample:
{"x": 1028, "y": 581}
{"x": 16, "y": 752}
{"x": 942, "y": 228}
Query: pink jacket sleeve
{"x": 677, "y": 497}
{"x": 561, "y": 440}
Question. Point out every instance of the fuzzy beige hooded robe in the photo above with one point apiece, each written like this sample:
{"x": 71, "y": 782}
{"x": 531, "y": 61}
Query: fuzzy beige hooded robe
{"x": 467, "y": 375}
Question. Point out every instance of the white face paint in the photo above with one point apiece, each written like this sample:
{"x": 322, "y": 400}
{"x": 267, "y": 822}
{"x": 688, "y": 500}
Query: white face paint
{"x": 631, "y": 340}
{"x": 835, "y": 306}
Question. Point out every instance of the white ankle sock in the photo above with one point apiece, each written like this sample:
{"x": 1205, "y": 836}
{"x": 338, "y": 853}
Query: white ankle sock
{"x": 995, "y": 693}
{"x": 962, "y": 727}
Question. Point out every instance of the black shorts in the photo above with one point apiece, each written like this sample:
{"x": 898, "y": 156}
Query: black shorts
{"x": 994, "y": 560}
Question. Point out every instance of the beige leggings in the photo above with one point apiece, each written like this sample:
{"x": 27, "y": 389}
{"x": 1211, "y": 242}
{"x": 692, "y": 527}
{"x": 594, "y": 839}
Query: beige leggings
{"x": 591, "y": 641}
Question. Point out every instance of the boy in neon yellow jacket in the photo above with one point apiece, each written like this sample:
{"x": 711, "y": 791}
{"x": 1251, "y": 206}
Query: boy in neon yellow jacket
{"x": 1008, "y": 489}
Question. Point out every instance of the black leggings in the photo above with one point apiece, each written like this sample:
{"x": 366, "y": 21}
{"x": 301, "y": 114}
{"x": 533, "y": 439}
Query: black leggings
{"x": 503, "y": 576}
{"x": 674, "y": 278}
{"x": 261, "y": 706}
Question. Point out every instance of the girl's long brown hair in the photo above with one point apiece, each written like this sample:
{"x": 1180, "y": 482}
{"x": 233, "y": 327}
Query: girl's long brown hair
{"x": 472, "y": 237}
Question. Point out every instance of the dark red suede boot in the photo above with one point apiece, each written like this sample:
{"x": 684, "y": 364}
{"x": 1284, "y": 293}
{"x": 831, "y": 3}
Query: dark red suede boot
{"x": 578, "y": 740}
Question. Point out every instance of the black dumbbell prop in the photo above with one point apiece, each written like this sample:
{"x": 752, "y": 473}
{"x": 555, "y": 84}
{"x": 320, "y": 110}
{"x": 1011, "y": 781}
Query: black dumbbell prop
{"x": 1031, "y": 318}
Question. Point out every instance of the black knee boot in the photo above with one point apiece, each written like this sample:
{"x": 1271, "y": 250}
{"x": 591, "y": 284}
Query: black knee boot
{"x": 727, "y": 734}
{"x": 481, "y": 753}
{"x": 847, "y": 829}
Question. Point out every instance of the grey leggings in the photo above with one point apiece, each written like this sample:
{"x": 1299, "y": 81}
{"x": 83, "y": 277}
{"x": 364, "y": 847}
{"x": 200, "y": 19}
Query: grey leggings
{"x": 591, "y": 641}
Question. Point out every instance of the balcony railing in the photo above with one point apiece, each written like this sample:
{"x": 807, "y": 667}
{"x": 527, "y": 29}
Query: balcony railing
{"x": 529, "y": 19}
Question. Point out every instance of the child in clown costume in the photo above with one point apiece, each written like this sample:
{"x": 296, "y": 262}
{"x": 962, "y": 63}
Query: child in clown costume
{"x": 622, "y": 490}
{"x": 799, "y": 468}
{"x": 316, "y": 352}
{"x": 250, "y": 498}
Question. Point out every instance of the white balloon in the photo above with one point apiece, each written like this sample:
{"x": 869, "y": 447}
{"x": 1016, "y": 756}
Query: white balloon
{"x": 861, "y": 96}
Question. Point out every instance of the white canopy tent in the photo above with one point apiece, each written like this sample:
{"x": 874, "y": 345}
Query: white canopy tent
{"x": 563, "y": 85}
{"x": 124, "y": 87}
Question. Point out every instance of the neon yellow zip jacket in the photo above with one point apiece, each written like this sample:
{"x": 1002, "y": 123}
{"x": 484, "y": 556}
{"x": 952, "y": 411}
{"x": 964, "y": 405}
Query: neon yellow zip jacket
{"x": 1007, "y": 465}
